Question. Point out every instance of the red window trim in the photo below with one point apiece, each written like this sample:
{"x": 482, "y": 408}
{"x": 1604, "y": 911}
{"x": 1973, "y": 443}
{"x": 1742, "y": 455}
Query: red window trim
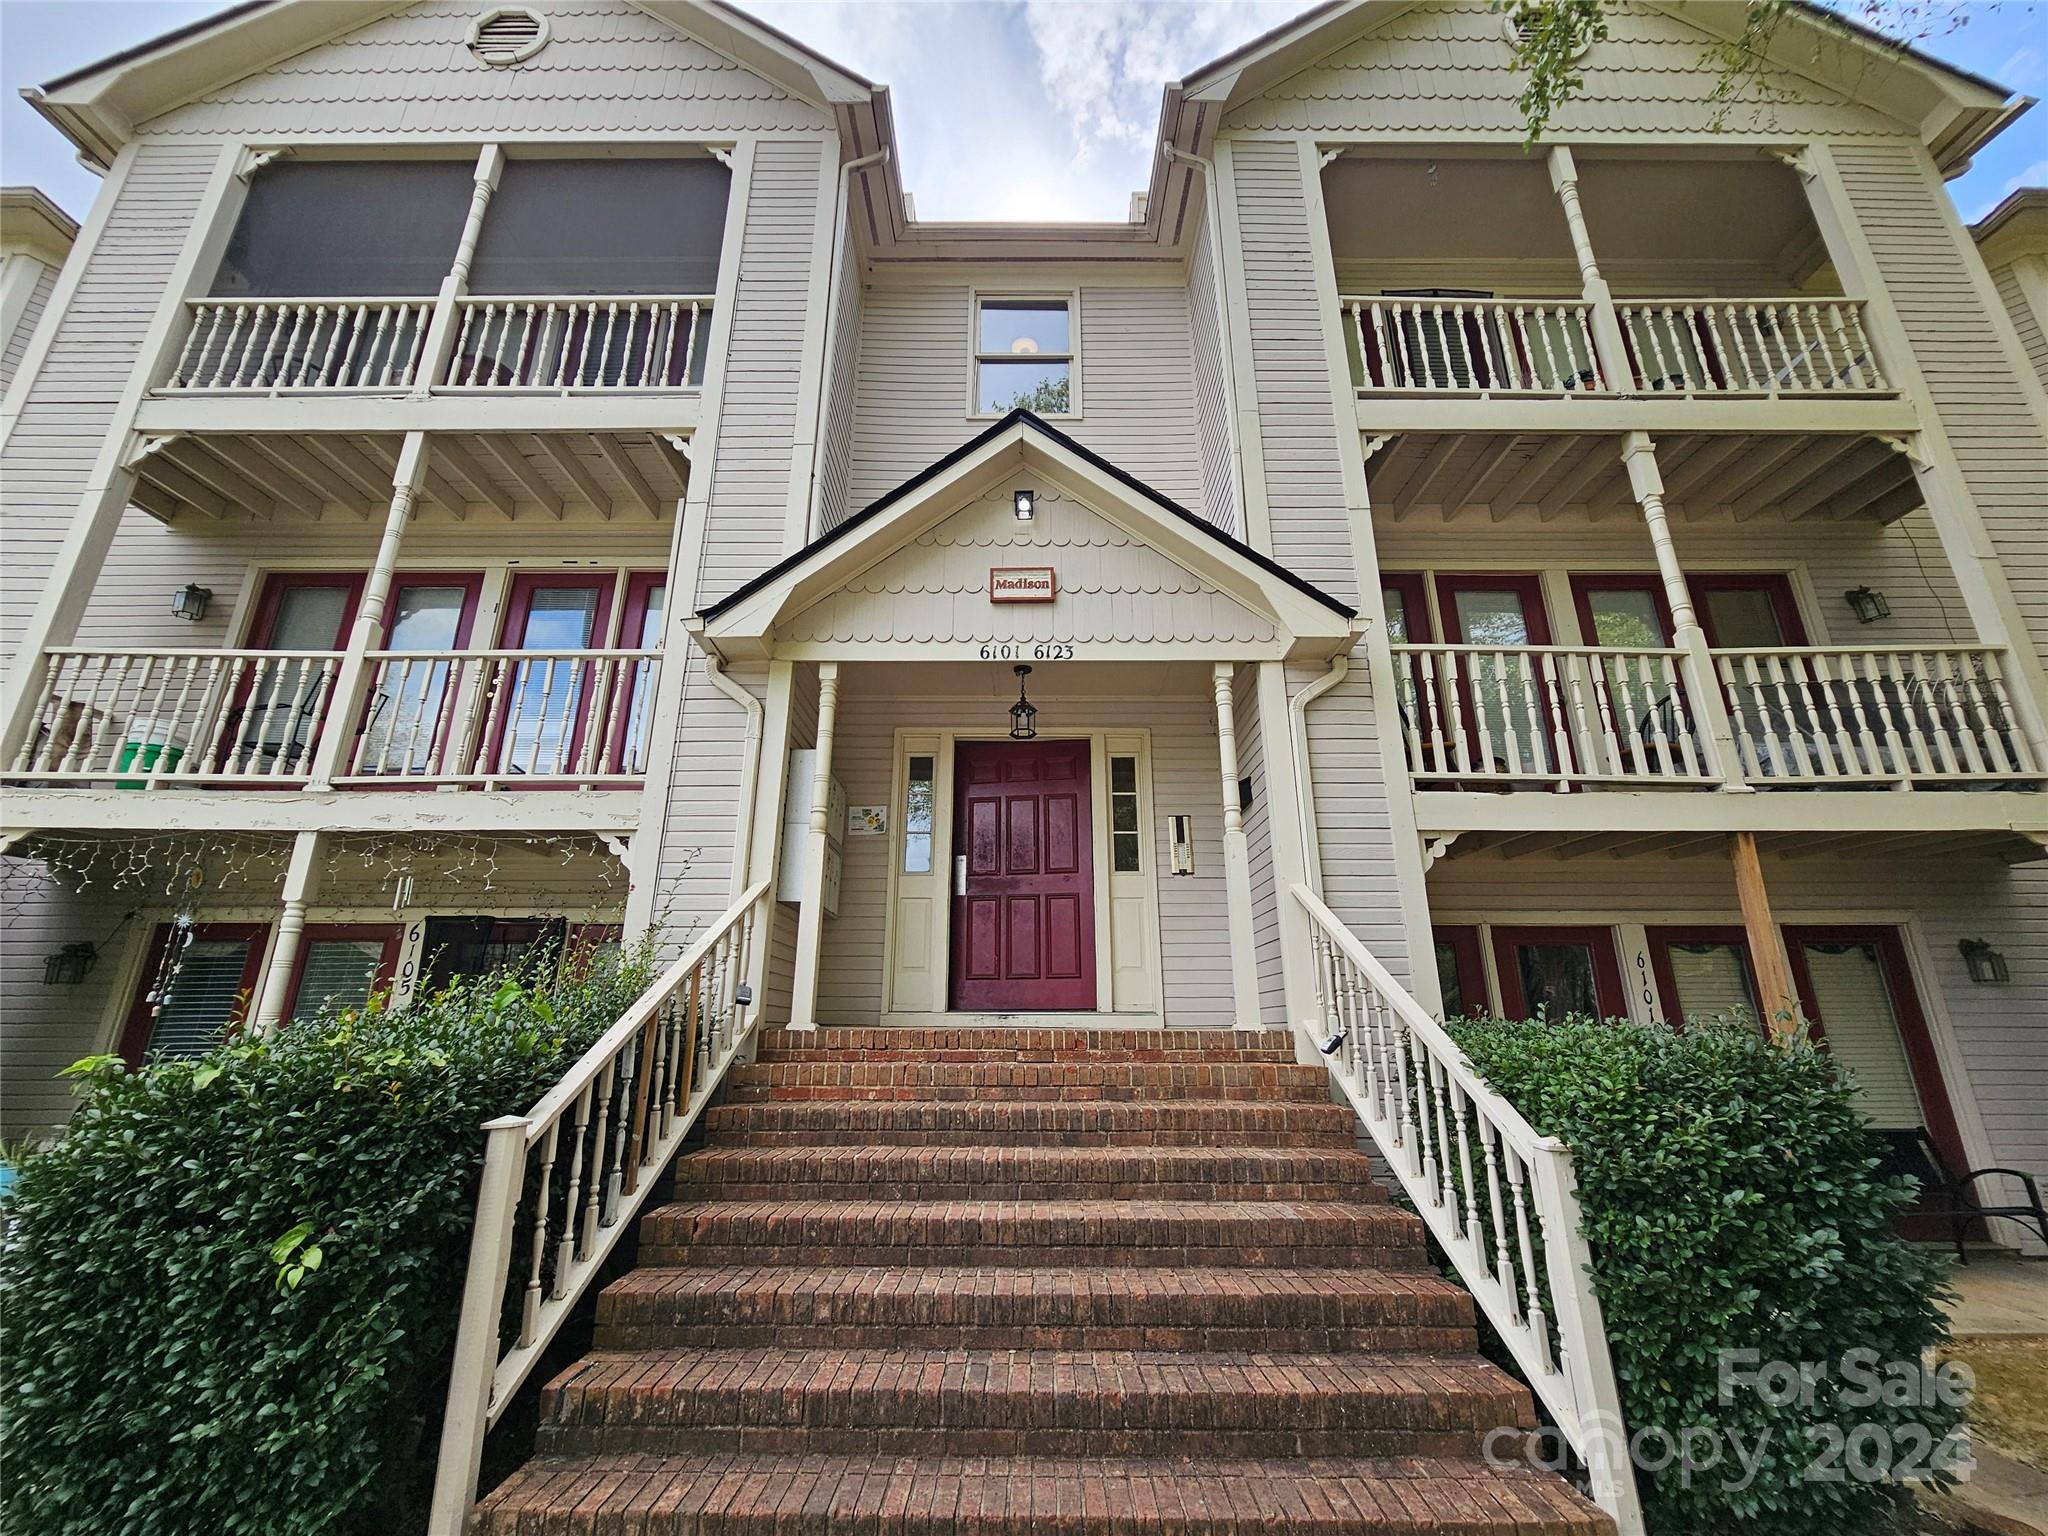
{"x": 1921, "y": 1060}
{"x": 263, "y": 618}
{"x": 512, "y": 637}
{"x": 471, "y": 582}
{"x": 393, "y": 935}
{"x": 1584, "y": 583}
{"x": 141, "y": 1022}
{"x": 1608, "y": 990}
{"x": 1414, "y": 589}
{"x": 1776, "y": 583}
{"x": 1660, "y": 940}
{"x": 1470, "y": 962}
{"x": 1528, "y": 583}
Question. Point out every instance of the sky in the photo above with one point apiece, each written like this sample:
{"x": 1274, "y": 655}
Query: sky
{"x": 1005, "y": 109}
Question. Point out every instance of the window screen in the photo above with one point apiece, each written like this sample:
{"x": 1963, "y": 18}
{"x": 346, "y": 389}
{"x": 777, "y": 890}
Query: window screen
{"x": 347, "y": 229}
{"x": 557, "y": 228}
{"x": 338, "y": 973}
{"x": 202, "y": 999}
{"x": 468, "y": 946}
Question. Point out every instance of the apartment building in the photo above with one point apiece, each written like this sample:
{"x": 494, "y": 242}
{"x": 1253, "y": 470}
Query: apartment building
{"x": 1603, "y": 576}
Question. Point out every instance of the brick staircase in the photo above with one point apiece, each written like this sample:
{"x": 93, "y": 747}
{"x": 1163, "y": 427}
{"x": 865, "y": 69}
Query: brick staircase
{"x": 1025, "y": 1280}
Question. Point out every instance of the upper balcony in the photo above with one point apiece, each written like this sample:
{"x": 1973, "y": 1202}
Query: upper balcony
{"x": 1724, "y": 310}
{"x": 586, "y": 301}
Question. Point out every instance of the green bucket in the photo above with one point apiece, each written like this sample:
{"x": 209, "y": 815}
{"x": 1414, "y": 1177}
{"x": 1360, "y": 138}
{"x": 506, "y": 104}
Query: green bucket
{"x": 147, "y": 744}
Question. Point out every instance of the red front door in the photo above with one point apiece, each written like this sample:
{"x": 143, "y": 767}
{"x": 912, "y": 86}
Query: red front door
{"x": 1024, "y": 893}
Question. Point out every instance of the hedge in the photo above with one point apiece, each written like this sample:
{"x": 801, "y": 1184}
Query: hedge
{"x": 1733, "y": 1201}
{"x": 228, "y": 1295}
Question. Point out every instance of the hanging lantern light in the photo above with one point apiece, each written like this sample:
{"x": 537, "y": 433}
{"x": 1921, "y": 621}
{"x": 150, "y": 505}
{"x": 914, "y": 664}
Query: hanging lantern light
{"x": 1023, "y": 713}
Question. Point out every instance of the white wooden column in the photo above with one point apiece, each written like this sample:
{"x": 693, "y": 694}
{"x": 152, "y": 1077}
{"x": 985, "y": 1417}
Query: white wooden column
{"x": 1237, "y": 864}
{"x": 765, "y": 851}
{"x": 1608, "y": 345}
{"x": 1284, "y": 835}
{"x": 810, "y": 920}
{"x": 1696, "y": 666}
{"x": 301, "y": 889}
{"x": 351, "y": 684}
{"x": 441, "y": 330}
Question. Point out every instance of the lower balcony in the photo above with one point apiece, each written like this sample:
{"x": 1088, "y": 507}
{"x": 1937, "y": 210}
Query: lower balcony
{"x": 1565, "y": 718}
{"x": 267, "y": 719}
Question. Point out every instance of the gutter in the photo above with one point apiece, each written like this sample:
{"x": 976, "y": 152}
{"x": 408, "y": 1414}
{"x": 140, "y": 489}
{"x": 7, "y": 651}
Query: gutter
{"x": 750, "y": 768}
{"x": 1304, "y": 781}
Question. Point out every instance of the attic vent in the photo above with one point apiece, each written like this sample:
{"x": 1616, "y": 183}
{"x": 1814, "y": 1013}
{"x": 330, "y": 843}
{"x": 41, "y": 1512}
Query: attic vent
{"x": 508, "y": 35}
{"x": 1520, "y": 24}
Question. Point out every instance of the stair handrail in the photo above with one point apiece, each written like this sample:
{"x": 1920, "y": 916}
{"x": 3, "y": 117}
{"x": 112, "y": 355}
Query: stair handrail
{"x": 1473, "y": 1166}
{"x": 615, "y": 1117}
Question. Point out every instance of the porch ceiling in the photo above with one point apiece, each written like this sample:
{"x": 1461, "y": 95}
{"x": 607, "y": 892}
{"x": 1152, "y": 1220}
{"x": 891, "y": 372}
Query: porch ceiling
{"x": 1793, "y": 477}
{"x": 505, "y": 475}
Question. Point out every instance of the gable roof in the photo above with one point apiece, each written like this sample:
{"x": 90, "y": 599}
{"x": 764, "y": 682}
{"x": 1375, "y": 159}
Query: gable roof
{"x": 984, "y": 445}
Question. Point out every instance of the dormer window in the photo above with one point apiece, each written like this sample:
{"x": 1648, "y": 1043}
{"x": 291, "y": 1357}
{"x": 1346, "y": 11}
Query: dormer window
{"x": 1024, "y": 356}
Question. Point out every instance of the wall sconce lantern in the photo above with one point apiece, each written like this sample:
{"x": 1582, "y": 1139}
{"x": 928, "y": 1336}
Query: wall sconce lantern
{"x": 1868, "y": 606}
{"x": 1023, "y": 713}
{"x": 70, "y": 965}
{"x": 1026, "y": 504}
{"x": 1987, "y": 965}
{"x": 189, "y": 602}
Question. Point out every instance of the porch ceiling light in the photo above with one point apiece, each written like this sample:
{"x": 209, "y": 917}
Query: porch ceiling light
{"x": 70, "y": 965}
{"x": 190, "y": 601}
{"x": 1868, "y": 606}
{"x": 1987, "y": 965}
{"x": 1023, "y": 713}
{"x": 1026, "y": 503}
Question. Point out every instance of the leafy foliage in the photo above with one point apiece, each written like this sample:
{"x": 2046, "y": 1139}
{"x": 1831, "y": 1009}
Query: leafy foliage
{"x": 1732, "y": 1199}
{"x": 1048, "y": 397}
{"x": 231, "y": 1289}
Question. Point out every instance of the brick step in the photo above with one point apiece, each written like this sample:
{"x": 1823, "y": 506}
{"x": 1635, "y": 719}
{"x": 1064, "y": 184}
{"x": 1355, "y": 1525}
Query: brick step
{"x": 736, "y": 1494}
{"x": 1286, "y": 1310}
{"x": 1025, "y": 1173}
{"x": 923, "y": 1077}
{"x": 997, "y": 1122}
{"x": 1008, "y": 1042}
{"x": 1160, "y": 1233}
{"x": 966, "y": 1402}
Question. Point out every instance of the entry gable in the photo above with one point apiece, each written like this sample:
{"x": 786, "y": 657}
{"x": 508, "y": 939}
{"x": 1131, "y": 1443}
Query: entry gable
{"x": 1104, "y": 563}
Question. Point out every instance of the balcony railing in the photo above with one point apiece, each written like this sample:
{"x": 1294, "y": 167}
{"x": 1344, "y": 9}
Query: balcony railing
{"x": 277, "y": 345}
{"x": 1564, "y": 717}
{"x": 496, "y": 719}
{"x": 1750, "y": 346}
{"x": 1473, "y": 346}
{"x": 139, "y": 719}
{"x": 1889, "y": 716}
{"x": 502, "y": 719}
{"x": 642, "y": 342}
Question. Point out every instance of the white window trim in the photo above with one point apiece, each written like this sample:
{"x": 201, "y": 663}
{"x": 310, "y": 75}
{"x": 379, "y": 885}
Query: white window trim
{"x": 976, "y": 297}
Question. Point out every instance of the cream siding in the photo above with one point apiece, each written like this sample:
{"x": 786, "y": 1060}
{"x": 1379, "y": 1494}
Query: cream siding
{"x": 1258, "y": 840}
{"x": 1446, "y": 71}
{"x": 25, "y": 327}
{"x": 749, "y": 488}
{"x": 70, "y": 405}
{"x": 1194, "y": 919}
{"x": 699, "y": 813}
{"x": 609, "y": 69}
{"x": 48, "y": 1028}
{"x": 1132, "y": 359}
{"x": 835, "y": 449}
{"x": 1973, "y": 387}
{"x": 1212, "y": 384}
{"x": 2033, "y": 333}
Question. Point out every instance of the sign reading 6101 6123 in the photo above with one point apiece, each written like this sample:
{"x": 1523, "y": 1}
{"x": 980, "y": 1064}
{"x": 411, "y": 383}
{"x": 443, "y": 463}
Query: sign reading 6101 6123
{"x": 1025, "y": 650}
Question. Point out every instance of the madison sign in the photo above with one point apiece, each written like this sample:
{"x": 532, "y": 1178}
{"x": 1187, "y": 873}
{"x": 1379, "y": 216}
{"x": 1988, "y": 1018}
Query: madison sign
{"x": 1021, "y": 584}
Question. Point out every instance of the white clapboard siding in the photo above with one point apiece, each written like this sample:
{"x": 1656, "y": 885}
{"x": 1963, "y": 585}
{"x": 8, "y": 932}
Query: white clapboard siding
{"x": 1194, "y": 916}
{"x": 1972, "y": 383}
{"x": 2033, "y": 334}
{"x": 1131, "y": 356}
{"x": 1212, "y": 397}
{"x": 698, "y": 816}
{"x": 2003, "y": 1051}
{"x": 16, "y": 341}
{"x": 749, "y": 492}
{"x": 1437, "y": 69}
{"x": 1258, "y": 839}
{"x": 48, "y": 1028}
{"x": 835, "y": 446}
{"x": 609, "y": 67}
{"x": 69, "y": 408}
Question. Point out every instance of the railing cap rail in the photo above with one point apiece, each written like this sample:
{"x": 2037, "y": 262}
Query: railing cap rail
{"x": 180, "y": 652}
{"x": 1705, "y": 298}
{"x": 501, "y": 653}
{"x": 607, "y": 1045}
{"x": 1860, "y": 650}
{"x": 1411, "y": 300}
{"x": 1539, "y": 650}
{"x": 474, "y": 299}
{"x": 309, "y": 298}
{"x": 1507, "y": 1119}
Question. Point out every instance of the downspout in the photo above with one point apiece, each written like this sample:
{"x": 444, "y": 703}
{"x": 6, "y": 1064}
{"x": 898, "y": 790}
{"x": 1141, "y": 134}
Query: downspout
{"x": 1304, "y": 781}
{"x": 1213, "y": 232}
{"x": 846, "y": 171}
{"x": 750, "y": 768}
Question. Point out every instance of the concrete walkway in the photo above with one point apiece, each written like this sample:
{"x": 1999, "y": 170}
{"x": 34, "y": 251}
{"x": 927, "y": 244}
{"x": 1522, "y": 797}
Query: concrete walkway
{"x": 2000, "y": 1296}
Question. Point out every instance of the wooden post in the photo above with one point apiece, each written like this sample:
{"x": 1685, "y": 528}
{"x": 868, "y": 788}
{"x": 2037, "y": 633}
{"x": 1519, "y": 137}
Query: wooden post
{"x": 1609, "y": 349}
{"x": 1778, "y": 998}
{"x": 301, "y": 885}
{"x": 810, "y": 920}
{"x": 439, "y": 345}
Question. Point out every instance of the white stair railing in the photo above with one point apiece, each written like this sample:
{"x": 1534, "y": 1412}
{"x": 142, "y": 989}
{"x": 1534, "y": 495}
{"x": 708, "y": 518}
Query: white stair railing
{"x": 562, "y": 1183}
{"x": 1501, "y": 1200}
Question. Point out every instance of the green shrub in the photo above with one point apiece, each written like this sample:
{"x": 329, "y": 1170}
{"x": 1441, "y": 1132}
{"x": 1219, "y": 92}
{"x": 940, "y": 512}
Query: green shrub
{"x": 229, "y": 1294}
{"x": 1732, "y": 1199}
